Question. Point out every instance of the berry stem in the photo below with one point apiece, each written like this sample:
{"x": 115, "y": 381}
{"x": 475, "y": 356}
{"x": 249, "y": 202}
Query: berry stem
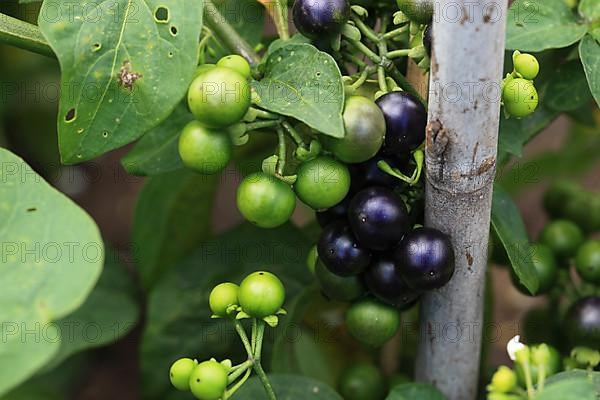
{"x": 265, "y": 381}
{"x": 254, "y": 332}
{"x": 223, "y": 29}
{"x": 364, "y": 29}
{"x": 381, "y": 79}
{"x": 396, "y": 32}
{"x": 528, "y": 380}
{"x": 264, "y": 114}
{"x": 294, "y": 134}
{"x": 541, "y": 377}
{"x": 260, "y": 334}
{"x": 242, "y": 334}
{"x": 282, "y": 152}
{"x": 239, "y": 370}
{"x": 398, "y": 53}
{"x": 360, "y": 46}
{"x": 238, "y": 385}
{"x": 251, "y": 126}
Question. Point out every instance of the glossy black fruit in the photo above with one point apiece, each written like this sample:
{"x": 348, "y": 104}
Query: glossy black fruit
{"x": 582, "y": 322}
{"x": 314, "y": 18}
{"x": 427, "y": 40}
{"x": 405, "y": 120}
{"x": 425, "y": 258}
{"x": 335, "y": 213}
{"x": 378, "y": 218}
{"x": 384, "y": 280}
{"x": 340, "y": 252}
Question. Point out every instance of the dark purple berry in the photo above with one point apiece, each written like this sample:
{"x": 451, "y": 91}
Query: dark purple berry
{"x": 314, "y": 18}
{"x": 426, "y": 258}
{"x": 405, "y": 120}
{"x": 340, "y": 252}
{"x": 378, "y": 217}
{"x": 384, "y": 280}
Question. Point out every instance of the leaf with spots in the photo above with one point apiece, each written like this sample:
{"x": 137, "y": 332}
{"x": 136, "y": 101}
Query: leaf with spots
{"x": 125, "y": 65}
{"x": 52, "y": 256}
{"x": 304, "y": 83}
{"x": 288, "y": 387}
{"x": 536, "y": 25}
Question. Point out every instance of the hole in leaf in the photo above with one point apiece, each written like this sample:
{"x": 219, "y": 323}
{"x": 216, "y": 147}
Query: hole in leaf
{"x": 174, "y": 30}
{"x": 161, "y": 15}
{"x": 105, "y": 134}
{"x": 96, "y": 46}
{"x": 70, "y": 116}
{"x": 31, "y": 209}
{"x": 318, "y": 74}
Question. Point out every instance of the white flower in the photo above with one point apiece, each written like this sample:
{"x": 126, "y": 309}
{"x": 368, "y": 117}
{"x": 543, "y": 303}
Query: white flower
{"x": 513, "y": 346}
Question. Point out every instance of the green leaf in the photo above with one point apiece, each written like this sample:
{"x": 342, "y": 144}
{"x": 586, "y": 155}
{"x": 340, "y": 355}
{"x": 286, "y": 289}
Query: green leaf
{"x": 305, "y": 83}
{"x": 515, "y": 133}
{"x": 589, "y": 51}
{"x": 157, "y": 151}
{"x": 52, "y": 256}
{"x": 569, "y": 389}
{"x": 178, "y": 319}
{"x": 568, "y": 89}
{"x": 507, "y": 222}
{"x": 410, "y": 391}
{"x": 96, "y": 43}
{"x": 536, "y": 25}
{"x": 172, "y": 216}
{"x": 288, "y": 387}
{"x": 109, "y": 313}
{"x": 576, "y": 374}
{"x": 590, "y": 9}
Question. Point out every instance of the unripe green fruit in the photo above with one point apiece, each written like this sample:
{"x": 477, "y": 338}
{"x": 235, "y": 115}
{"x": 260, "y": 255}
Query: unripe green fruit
{"x": 527, "y": 66}
{"x": 520, "y": 97}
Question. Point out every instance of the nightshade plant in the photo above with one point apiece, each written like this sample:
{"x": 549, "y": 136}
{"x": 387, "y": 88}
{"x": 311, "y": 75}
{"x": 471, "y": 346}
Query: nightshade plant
{"x": 331, "y": 114}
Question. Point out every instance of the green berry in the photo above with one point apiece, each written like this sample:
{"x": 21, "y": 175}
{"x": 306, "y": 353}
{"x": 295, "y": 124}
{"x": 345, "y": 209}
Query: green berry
{"x": 204, "y": 150}
{"x": 519, "y": 97}
{"x": 372, "y": 323}
{"x": 236, "y": 63}
{"x": 180, "y": 373}
{"x": 504, "y": 380}
{"x": 223, "y": 296}
{"x": 587, "y": 261}
{"x": 261, "y": 294}
{"x": 563, "y": 237}
{"x": 322, "y": 182}
{"x": 208, "y": 380}
{"x": 527, "y": 66}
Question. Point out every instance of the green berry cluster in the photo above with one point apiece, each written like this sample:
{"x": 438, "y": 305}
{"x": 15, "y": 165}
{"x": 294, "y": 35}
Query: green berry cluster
{"x": 519, "y": 96}
{"x": 259, "y": 297}
{"x": 532, "y": 366}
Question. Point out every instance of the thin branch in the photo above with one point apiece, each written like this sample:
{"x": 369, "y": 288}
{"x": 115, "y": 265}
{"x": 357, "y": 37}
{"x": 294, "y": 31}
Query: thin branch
{"x": 228, "y": 35}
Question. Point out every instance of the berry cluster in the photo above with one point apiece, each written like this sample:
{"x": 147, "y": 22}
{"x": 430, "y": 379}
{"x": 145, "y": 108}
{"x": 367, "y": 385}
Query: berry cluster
{"x": 259, "y": 297}
{"x": 563, "y": 247}
{"x": 519, "y": 96}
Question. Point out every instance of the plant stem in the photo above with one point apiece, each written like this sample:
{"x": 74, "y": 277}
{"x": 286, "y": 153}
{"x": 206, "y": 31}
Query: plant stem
{"x": 365, "y": 30}
{"x": 24, "y": 35}
{"x": 242, "y": 334}
{"x": 238, "y": 385}
{"x": 254, "y": 331}
{"x": 360, "y": 46}
{"x": 405, "y": 84}
{"x": 265, "y": 114}
{"x": 381, "y": 79}
{"x": 265, "y": 381}
{"x": 294, "y": 134}
{"x": 363, "y": 77}
{"x": 282, "y": 154}
{"x": 239, "y": 371}
{"x": 398, "y": 53}
{"x": 225, "y": 32}
{"x": 396, "y": 32}
{"x": 260, "y": 335}
{"x": 251, "y": 126}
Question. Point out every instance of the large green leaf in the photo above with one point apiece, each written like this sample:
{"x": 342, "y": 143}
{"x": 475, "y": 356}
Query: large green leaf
{"x": 172, "y": 217}
{"x": 410, "y": 391}
{"x": 508, "y": 224}
{"x": 536, "y": 25}
{"x": 178, "y": 320}
{"x": 109, "y": 313}
{"x": 96, "y": 43}
{"x": 157, "y": 151}
{"x": 568, "y": 90}
{"x": 52, "y": 256}
{"x": 569, "y": 389}
{"x": 589, "y": 51}
{"x": 288, "y": 387}
{"x": 515, "y": 133}
{"x": 576, "y": 374}
{"x": 302, "y": 82}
